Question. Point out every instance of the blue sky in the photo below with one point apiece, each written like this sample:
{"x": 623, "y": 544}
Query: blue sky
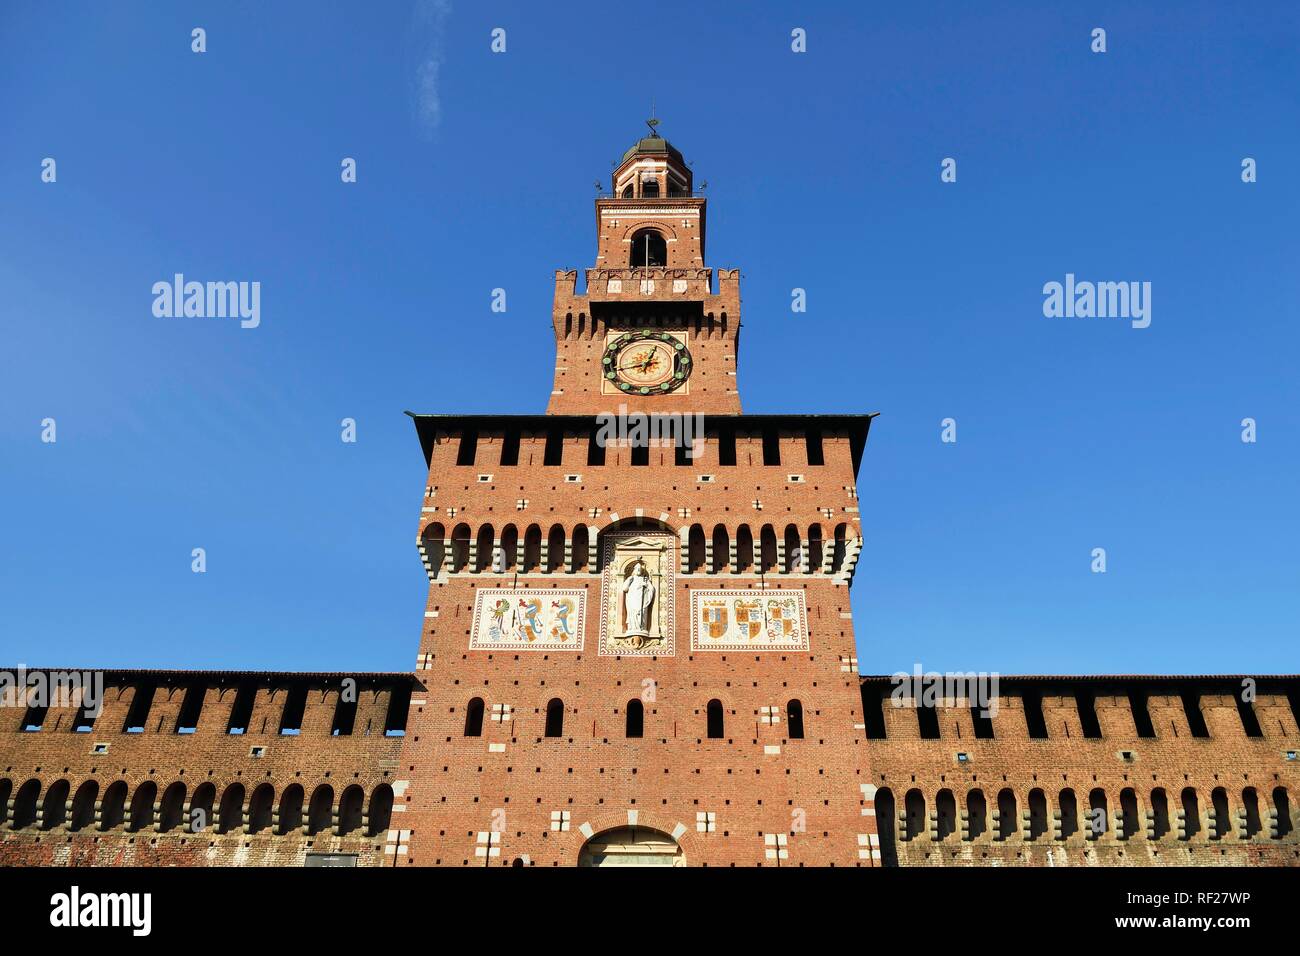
{"x": 475, "y": 172}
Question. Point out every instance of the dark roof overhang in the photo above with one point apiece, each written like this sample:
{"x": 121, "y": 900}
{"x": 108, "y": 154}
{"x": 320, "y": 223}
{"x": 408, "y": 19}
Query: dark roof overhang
{"x": 427, "y": 426}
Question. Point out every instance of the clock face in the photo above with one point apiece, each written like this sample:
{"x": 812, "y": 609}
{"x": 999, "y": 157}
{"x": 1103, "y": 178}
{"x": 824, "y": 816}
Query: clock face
{"x": 646, "y": 363}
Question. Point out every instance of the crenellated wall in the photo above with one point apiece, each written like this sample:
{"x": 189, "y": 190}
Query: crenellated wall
{"x": 199, "y": 779}
{"x": 1178, "y": 795}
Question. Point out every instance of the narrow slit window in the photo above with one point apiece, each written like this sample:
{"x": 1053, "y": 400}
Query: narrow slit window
{"x": 1034, "y": 720}
{"x": 295, "y": 705}
{"x": 813, "y": 438}
{"x": 242, "y": 711}
{"x": 1087, "y": 705}
{"x": 468, "y": 449}
{"x": 399, "y": 706}
{"x": 138, "y": 713}
{"x": 345, "y": 713}
{"x": 187, "y": 721}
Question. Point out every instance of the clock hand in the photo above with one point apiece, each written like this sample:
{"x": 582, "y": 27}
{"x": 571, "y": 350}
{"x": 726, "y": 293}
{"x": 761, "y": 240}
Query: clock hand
{"x": 640, "y": 365}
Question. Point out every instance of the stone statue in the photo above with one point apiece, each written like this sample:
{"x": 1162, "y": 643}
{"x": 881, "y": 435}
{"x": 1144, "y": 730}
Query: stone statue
{"x": 638, "y": 596}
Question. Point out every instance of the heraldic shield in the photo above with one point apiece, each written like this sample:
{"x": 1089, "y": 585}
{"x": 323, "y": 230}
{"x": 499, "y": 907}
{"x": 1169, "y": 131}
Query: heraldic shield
{"x": 747, "y": 619}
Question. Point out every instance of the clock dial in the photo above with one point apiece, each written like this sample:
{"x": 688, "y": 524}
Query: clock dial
{"x": 646, "y": 363}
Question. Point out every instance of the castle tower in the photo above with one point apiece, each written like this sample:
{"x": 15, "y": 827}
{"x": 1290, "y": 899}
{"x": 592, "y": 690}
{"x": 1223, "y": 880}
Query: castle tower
{"x": 637, "y": 642}
{"x": 649, "y": 285}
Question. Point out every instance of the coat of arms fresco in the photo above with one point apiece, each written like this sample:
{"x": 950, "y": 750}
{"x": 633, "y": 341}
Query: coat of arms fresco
{"x": 748, "y": 620}
{"x": 528, "y": 619}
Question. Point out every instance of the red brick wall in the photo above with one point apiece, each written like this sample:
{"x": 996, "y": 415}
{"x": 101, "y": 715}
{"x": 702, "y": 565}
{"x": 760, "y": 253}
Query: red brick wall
{"x": 366, "y": 758}
{"x": 1171, "y": 761}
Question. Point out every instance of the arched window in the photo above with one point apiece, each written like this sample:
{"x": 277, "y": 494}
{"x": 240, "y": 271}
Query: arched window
{"x": 83, "y": 806}
{"x": 840, "y": 548}
{"x": 945, "y": 807}
{"x": 532, "y": 549}
{"x": 112, "y": 809}
{"x": 232, "y": 809}
{"x": 1159, "y": 813}
{"x": 1008, "y": 823}
{"x": 505, "y": 561}
{"x": 25, "y": 804}
{"x": 648, "y": 248}
{"x": 913, "y": 814}
{"x": 815, "y": 549}
{"x": 581, "y": 544}
{"x": 555, "y": 718}
{"x": 172, "y": 810}
{"x": 793, "y": 550}
{"x": 650, "y": 189}
{"x": 1098, "y": 814}
{"x": 715, "y": 724}
{"x": 977, "y": 814}
{"x": 744, "y": 549}
{"x": 483, "y": 548}
{"x": 142, "y": 802}
{"x": 6, "y": 788}
{"x": 1191, "y": 814}
{"x": 55, "y": 808}
{"x": 721, "y": 545}
{"x": 432, "y": 541}
{"x": 381, "y": 809}
{"x": 794, "y": 719}
{"x": 695, "y": 550}
{"x": 474, "y": 718}
{"x": 290, "y": 809}
{"x": 201, "y": 804}
{"x": 1069, "y": 805}
{"x": 1282, "y": 809}
{"x": 320, "y": 813}
{"x": 887, "y": 823}
{"x": 767, "y": 549}
{"x": 460, "y": 547}
{"x": 1037, "y": 814}
{"x": 350, "y": 809}
{"x": 555, "y": 549}
{"x": 1128, "y": 804}
{"x": 1222, "y": 822}
{"x": 1250, "y": 803}
{"x": 261, "y": 808}
{"x": 635, "y": 718}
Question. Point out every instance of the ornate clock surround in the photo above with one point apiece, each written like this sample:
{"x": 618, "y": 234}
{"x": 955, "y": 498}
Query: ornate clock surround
{"x": 667, "y": 349}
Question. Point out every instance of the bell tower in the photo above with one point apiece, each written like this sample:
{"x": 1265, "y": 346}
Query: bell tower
{"x": 638, "y": 647}
{"x": 652, "y": 332}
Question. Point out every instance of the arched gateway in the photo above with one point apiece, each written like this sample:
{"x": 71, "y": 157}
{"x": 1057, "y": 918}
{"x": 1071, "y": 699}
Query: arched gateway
{"x": 631, "y": 846}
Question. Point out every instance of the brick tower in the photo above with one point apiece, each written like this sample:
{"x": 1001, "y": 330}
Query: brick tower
{"x": 637, "y": 643}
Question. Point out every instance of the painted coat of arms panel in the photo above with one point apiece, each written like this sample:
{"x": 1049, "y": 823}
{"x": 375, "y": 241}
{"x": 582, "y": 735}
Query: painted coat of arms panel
{"x": 528, "y": 619}
{"x": 736, "y": 619}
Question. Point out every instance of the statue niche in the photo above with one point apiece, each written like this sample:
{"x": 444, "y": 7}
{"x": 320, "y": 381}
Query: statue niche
{"x": 636, "y": 592}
